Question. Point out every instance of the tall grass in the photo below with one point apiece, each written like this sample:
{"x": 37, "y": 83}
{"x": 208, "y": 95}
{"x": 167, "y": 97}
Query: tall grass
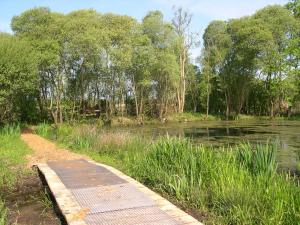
{"x": 3, "y": 213}
{"x": 235, "y": 186}
{"x": 101, "y": 145}
{"x": 12, "y": 160}
{"x": 259, "y": 159}
{"x": 12, "y": 155}
{"x": 298, "y": 165}
{"x": 240, "y": 190}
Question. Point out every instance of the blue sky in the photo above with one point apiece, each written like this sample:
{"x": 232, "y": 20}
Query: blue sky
{"x": 203, "y": 10}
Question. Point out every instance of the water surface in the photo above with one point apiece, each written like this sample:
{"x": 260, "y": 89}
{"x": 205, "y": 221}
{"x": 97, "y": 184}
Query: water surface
{"x": 229, "y": 133}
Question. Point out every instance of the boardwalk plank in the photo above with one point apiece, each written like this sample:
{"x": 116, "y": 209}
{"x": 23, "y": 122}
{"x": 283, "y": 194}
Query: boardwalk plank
{"x": 90, "y": 193}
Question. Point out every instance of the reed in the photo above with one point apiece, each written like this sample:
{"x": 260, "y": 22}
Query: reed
{"x": 238, "y": 189}
{"x": 258, "y": 159}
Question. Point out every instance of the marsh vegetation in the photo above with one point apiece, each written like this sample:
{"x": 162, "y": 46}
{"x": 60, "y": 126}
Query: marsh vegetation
{"x": 236, "y": 185}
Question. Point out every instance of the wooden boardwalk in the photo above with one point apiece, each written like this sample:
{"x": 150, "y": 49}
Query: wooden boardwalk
{"x": 90, "y": 193}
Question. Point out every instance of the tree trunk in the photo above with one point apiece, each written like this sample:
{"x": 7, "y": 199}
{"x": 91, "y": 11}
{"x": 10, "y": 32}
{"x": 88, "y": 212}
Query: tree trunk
{"x": 227, "y": 106}
{"x": 272, "y": 109}
{"x": 182, "y": 83}
{"x": 207, "y": 98}
{"x": 183, "y": 80}
{"x": 141, "y": 104}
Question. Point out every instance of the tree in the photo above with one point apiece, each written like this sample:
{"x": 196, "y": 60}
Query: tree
{"x": 193, "y": 88}
{"x": 140, "y": 74}
{"x": 105, "y": 65}
{"x": 249, "y": 39}
{"x": 217, "y": 43}
{"x": 44, "y": 31}
{"x": 163, "y": 73}
{"x": 181, "y": 22}
{"x": 293, "y": 51}
{"x": 294, "y": 7}
{"x": 282, "y": 25}
{"x": 18, "y": 78}
{"x": 121, "y": 31}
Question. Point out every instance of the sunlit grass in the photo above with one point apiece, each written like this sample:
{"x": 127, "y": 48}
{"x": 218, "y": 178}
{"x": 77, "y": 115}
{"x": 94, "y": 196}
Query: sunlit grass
{"x": 258, "y": 159}
{"x": 12, "y": 162}
{"x": 12, "y": 155}
{"x": 3, "y": 213}
{"x": 221, "y": 181}
{"x": 234, "y": 186}
{"x": 188, "y": 117}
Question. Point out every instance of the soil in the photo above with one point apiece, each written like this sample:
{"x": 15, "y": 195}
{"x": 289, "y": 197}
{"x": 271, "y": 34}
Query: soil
{"x": 27, "y": 203}
{"x": 44, "y": 150}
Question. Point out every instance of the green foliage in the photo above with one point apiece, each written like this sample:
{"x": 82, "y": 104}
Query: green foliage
{"x": 235, "y": 186}
{"x": 84, "y": 63}
{"x": 18, "y": 77}
{"x": 254, "y": 59}
{"x": 294, "y": 7}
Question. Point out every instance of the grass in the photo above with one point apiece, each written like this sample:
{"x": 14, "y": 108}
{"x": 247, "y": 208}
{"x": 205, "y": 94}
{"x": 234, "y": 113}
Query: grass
{"x": 220, "y": 182}
{"x": 12, "y": 156}
{"x": 3, "y": 213}
{"x": 233, "y": 186}
{"x": 12, "y": 163}
{"x": 298, "y": 166}
{"x": 190, "y": 117}
{"x": 295, "y": 117}
{"x": 259, "y": 159}
{"x": 45, "y": 200}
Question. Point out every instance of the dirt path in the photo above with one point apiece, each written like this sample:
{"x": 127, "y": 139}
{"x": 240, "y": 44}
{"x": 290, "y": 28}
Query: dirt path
{"x": 44, "y": 150}
{"x": 27, "y": 203}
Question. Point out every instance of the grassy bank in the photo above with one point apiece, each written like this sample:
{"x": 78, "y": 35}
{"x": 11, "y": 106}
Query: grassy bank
{"x": 177, "y": 117}
{"x": 190, "y": 117}
{"x": 237, "y": 186}
{"x": 23, "y": 199}
{"x": 12, "y": 163}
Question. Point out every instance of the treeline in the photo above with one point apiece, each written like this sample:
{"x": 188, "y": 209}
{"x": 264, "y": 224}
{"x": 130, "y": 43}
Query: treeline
{"x": 62, "y": 67}
{"x": 251, "y": 65}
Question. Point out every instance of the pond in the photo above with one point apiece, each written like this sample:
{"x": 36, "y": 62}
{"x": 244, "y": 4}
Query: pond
{"x": 228, "y": 133}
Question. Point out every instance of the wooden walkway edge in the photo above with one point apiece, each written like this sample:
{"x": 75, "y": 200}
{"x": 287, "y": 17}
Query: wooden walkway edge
{"x": 88, "y": 193}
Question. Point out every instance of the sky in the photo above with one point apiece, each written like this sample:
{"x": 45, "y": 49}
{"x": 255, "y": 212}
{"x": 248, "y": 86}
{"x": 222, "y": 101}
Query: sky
{"x": 203, "y": 11}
